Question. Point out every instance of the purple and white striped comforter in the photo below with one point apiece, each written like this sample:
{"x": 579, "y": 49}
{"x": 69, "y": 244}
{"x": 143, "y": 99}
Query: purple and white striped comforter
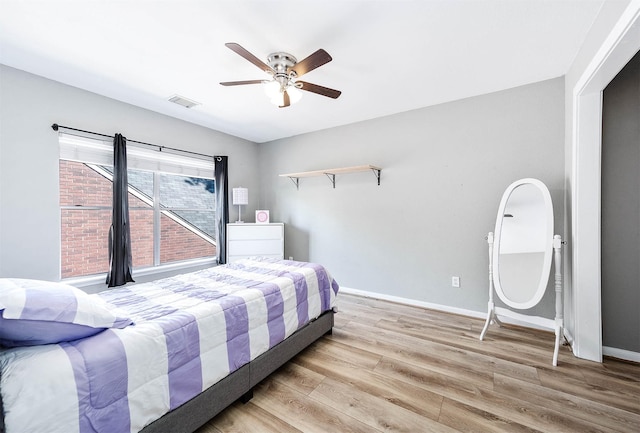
{"x": 190, "y": 331}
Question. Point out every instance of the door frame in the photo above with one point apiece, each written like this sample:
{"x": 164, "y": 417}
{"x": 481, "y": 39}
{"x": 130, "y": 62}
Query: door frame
{"x": 586, "y": 147}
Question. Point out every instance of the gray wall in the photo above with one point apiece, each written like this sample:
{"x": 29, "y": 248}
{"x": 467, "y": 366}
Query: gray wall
{"x": 444, "y": 171}
{"x": 621, "y": 210}
{"x": 29, "y": 208}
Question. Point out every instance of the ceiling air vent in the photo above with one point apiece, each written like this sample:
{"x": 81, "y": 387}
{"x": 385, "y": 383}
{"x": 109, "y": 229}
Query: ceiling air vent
{"x": 180, "y": 100}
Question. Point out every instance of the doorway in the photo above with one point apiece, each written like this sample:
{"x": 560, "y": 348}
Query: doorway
{"x": 620, "y": 290}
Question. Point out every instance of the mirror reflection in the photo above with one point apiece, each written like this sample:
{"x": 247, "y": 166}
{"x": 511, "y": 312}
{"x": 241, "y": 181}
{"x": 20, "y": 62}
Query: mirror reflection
{"x": 524, "y": 241}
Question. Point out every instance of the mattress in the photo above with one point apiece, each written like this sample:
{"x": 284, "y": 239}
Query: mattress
{"x": 189, "y": 332}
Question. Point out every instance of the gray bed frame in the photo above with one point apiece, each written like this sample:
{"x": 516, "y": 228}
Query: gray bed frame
{"x": 237, "y": 386}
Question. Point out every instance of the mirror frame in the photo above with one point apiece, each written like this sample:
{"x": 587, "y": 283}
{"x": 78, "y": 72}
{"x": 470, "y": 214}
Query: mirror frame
{"x": 548, "y": 249}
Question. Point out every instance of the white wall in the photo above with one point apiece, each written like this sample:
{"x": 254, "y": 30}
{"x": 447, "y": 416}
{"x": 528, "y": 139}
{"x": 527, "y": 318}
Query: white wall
{"x": 29, "y": 208}
{"x": 444, "y": 171}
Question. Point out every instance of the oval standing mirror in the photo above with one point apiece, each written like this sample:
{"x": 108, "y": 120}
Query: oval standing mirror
{"x": 520, "y": 257}
{"x": 523, "y": 244}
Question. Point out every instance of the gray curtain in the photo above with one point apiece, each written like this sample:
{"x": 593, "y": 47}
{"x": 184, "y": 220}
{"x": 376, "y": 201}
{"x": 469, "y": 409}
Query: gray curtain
{"x": 222, "y": 206}
{"x": 119, "y": 232}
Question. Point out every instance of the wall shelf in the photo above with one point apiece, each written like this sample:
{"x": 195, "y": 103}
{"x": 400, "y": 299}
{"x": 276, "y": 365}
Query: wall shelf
{"x": 331, "y": 173}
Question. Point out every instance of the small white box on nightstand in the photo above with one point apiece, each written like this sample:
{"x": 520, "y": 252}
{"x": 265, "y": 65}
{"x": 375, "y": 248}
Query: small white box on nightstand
{"x": 262, "y": 216}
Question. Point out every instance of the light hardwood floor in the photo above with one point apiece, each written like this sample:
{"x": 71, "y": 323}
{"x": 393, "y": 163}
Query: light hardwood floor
{"x": 396, "y": 368}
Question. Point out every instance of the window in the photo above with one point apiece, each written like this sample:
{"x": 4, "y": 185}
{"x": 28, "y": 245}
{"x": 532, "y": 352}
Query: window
{"x": 171, "y": 206}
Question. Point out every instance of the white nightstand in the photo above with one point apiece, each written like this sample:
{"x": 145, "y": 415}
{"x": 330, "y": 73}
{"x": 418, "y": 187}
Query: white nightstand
{"x": 246, "y": 240}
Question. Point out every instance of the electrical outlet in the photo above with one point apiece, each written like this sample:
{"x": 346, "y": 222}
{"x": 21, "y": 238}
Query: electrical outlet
{"x": 455, "y": 281}
{"x": 290, "y": 257}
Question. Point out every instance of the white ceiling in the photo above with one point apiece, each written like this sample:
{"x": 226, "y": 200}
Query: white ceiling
{"x": 389, "y": 56}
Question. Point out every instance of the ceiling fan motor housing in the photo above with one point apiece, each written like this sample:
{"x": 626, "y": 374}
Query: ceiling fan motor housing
{"x": 280, "y": 62}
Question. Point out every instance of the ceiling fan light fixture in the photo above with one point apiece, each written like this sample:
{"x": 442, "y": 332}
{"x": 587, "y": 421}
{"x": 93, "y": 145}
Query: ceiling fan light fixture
{"x": 294, "y": 94}
{"x": 272, "y": 89}
{"x": 275, "y": 91}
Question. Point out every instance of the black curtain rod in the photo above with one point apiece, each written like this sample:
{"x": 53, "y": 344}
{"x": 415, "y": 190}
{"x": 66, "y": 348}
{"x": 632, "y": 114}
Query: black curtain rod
{"x": 55, "y": 127}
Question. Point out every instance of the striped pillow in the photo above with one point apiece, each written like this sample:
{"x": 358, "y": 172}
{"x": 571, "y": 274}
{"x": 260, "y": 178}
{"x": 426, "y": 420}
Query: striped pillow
{"x": 36, "y": 312}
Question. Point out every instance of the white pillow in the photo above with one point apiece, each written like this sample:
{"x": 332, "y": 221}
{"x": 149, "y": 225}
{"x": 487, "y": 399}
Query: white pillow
{"x": 41, "y": 312}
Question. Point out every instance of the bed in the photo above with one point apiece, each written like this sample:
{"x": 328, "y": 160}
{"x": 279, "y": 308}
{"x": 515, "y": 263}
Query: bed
{"x": 165, "y": 356}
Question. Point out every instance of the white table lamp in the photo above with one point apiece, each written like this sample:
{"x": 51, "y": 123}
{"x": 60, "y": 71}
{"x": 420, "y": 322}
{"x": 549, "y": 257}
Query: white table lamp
{"x": 240, "y": 198}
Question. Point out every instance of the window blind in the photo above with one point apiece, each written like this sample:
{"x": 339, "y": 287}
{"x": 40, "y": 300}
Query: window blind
{"x": 100, "y": 151}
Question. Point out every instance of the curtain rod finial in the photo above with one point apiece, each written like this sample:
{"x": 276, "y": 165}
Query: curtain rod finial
{"x": 54, "y": 126}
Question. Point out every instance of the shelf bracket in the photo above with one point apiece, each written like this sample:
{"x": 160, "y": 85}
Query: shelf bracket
{"x": 296, "y": 182}
{"x": 332, "y": 178}
{"x": 376, "y": 173}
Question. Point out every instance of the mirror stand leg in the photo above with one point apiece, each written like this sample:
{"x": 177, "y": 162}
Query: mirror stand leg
{"x": 490, "y": 317}
{"x": 557, "y": 347}
{"x": 557, "y": 257}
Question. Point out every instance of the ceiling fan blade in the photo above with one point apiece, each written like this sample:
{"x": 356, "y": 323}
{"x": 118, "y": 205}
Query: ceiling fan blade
{"x": 286, "y": 101}
{"x": 238, "y": 83}
{"x": 238, "y": 49}
{"x": 320, "y": 90}
{"x": 310, "y": 63}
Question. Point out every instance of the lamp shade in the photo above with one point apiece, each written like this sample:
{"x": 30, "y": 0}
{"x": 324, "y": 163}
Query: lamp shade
{"x": 240, "y": 196}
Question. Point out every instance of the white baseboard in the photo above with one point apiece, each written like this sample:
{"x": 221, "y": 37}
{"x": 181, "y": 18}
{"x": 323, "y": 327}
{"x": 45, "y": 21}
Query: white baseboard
{"x": 627, "y": 355}
{"x": 437, "y": 307}
{"x": 413, "y": 302}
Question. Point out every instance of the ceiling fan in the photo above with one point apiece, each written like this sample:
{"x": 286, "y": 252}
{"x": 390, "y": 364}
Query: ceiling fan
{"x": 284, "y": 87}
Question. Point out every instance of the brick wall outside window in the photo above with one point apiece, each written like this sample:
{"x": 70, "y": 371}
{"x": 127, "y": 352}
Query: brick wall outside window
{"x": 84, "y": 232}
